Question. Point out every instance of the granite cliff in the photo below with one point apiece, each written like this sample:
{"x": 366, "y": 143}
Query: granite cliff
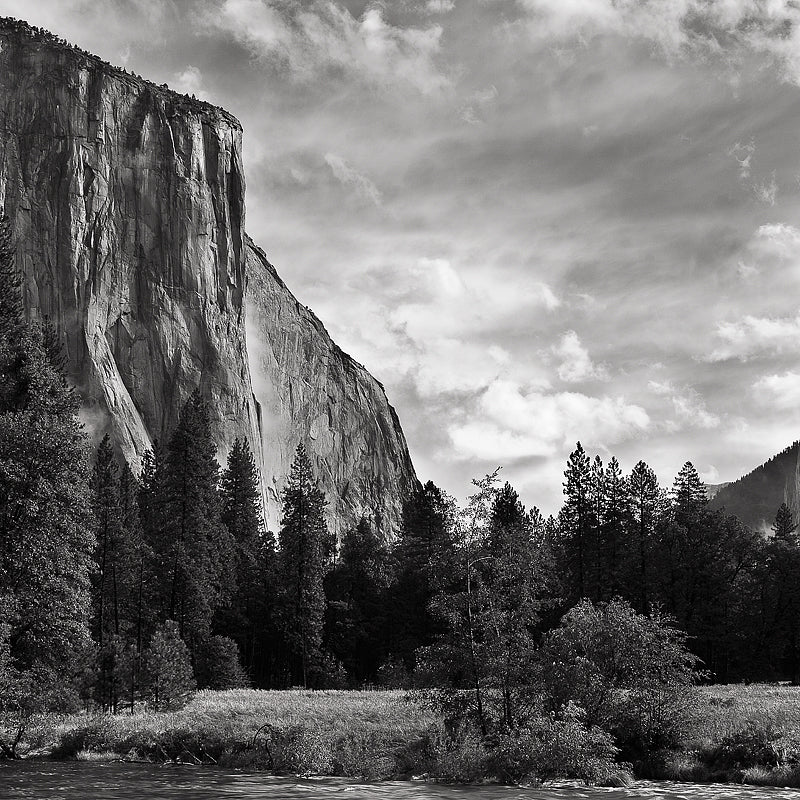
{"x": 127, "y": 203}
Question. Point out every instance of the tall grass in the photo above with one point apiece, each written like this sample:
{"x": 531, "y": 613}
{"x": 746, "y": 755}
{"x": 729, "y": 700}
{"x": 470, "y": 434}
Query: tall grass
{"x": 356, "y": 734}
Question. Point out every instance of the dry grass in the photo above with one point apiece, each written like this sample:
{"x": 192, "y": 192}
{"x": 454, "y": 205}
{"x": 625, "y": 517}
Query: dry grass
{"x": 723, "y": 710}
{"x": 357, "y": 734}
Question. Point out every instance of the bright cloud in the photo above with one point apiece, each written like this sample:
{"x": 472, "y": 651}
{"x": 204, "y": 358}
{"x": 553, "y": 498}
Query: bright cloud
{"x": 752, "y": 336}
{"x": 576, "y": 365}
{"x": 519, "y": 423}
{"x": 779, "y": 391}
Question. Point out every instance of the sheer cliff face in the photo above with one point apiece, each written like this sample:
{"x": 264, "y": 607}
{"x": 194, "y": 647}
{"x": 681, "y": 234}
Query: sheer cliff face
{"x": 127, "y": 202}
{"x": 306, "y": 384}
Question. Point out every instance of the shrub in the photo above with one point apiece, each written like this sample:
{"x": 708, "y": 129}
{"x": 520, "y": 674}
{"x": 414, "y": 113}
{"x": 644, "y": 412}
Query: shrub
{"x": 556, "y": 746}
{"x": 218, "y": 665}
{"x": 631, "y": 673}
{"x": 457, "y": 757}
{"x": 169, "y": 676}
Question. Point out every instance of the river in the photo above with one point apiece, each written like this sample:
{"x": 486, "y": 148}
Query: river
{"x": 34, "y": 780}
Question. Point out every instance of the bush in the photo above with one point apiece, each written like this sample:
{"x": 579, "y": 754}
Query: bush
{"x": 631, "y": 673}
{"x": 168, "y": 671}
{"x": 757, "y": 744}
{"x": 457, "y": 757}
{"x": 556, "y": 746}
{"x": 218, "y": 665}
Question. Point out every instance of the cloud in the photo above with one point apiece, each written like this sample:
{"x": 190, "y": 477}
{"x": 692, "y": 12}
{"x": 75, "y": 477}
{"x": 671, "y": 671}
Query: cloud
{"x": 512, "y": 422}
{"x": 753, "y": 335}
{"x": 318, "y": 38}
{"x": 190, "y": 81}
{"x": 766, "y": 191}
{"x": 700, "y": 28}
{"x": 439, "y": 6}
{"x": 576, "y": 366}
{"x": 743, "y": 154}
{"x": 348, "y": 176}
{"x": 688, "y": 406}
{"x": 778, "y": 391}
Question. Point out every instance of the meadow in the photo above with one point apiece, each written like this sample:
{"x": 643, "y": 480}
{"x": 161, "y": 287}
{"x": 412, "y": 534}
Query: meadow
{"x": 737, "y": 733}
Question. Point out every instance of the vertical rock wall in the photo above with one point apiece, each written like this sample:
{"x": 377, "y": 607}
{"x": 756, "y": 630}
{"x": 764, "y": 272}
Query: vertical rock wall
{"x": 127, "y": 202}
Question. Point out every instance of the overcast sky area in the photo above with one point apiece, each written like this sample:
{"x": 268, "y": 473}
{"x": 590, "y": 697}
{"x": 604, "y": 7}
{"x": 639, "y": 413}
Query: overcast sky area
{"x": 534, "y": 221}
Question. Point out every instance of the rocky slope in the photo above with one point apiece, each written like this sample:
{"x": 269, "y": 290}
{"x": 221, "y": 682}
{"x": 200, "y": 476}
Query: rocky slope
{"x": 127, "y": 202}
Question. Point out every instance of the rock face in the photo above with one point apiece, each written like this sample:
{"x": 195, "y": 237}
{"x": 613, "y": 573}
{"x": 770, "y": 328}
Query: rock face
{"x": 127, "y": 202}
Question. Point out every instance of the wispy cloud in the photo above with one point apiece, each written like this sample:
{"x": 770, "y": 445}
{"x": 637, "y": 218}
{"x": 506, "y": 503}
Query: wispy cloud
{"x": 310, "y": 39}
{"x": 348, "y": 176}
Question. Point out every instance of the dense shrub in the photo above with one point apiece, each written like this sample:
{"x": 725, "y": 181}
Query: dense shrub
{"x": 218, "y": 666}
{"x": 631, "y": 673}
{"x": 556, "y": 746}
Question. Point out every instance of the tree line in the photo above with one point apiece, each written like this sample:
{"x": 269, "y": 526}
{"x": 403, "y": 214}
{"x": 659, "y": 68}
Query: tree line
{"x": 118, "y": 588}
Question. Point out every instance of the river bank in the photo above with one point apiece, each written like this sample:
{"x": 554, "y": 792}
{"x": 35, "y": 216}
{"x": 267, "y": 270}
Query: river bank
{"x": 739, "y": 735}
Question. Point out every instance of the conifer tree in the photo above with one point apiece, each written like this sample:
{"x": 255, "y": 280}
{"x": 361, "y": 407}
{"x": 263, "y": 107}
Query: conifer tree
{"x": 356, "y": 592}
{"x": 426, "y": 558}
{"x": 194, "y": 550}
{"x": 107, "y": 577}
{"x": 577, "y": 521}
{"x": 646, "y": 506}
{"x": 46, "y": 540}
{"x": 169, "y": 671}
{"x": 784, "y": 525}
{"x": 305, "y": 554}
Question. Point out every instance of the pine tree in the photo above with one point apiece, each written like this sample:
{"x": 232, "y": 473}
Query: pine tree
{"x": 426, "y": 558}
{"x": 305, "y": 554}
{"x": 241, "y": 514}
{"x": 46, "y": 541}
{"x": 169, "y": 671}
{"x": 784, "y": 526}
{"x": 688, "y": 492}
{"x": 356, "y": 592}
{"x": 613, "y": 542}
{"x": 194, "y": 550}
{"x": 578, "y": 522}
{"x": 106, "y": 583}
{"x": 646, "y": 507}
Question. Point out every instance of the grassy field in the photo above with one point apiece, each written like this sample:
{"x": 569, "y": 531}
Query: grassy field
{"x": 743, "y": 734}
{"x": 357, "y": 734}
{"x": 739, "y": 733}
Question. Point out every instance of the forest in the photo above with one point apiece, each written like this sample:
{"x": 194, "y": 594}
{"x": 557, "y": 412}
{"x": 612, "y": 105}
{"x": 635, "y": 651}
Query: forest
{"x": 119, "y": 589}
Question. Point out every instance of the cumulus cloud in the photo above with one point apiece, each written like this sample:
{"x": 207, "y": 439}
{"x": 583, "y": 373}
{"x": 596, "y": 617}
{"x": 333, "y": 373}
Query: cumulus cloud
{"x": 311, "y": 39}
{"x": 753, "y": 335}
{"x": 514, "y": 422}
{"x": 190, "y": 81}
{"x": 576, "y": 365}
{"x": 779, "y": 391}
{"x": 348, "y": 176}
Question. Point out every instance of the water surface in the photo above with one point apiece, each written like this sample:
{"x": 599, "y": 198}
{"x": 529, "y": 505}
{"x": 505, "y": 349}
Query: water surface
{"x": 81, "y": 781}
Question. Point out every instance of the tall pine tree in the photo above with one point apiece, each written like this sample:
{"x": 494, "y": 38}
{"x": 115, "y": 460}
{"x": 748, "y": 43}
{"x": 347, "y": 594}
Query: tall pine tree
{"x": 46, "y": 540}
{"x": 305, "y": 556}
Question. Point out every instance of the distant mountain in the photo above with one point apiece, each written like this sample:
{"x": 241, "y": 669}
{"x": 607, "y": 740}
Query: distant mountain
{"x": 755, "y": 498}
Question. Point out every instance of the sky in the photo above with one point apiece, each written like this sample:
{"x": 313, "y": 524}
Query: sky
{"x": 534, "y": 221}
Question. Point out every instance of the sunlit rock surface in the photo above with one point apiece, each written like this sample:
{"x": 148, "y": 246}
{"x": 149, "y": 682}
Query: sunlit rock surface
{"x": 127, "y": 202}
